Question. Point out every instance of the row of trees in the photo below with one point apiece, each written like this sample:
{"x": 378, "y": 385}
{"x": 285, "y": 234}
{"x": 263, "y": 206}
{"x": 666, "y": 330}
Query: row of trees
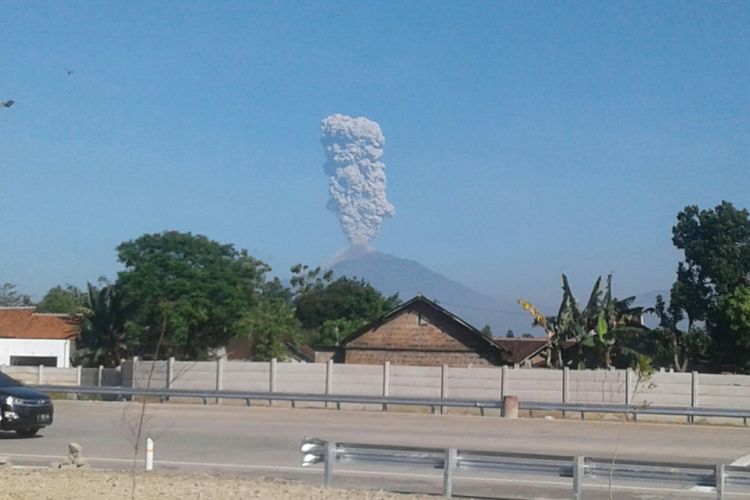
{"x": 185, "y": 296}
{"x": 704, "y": 323}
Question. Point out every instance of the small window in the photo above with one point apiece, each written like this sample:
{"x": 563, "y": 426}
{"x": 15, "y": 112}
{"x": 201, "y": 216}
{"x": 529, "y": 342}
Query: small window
{"x": 50, "y": 361}
{"x": 421, "y": 321}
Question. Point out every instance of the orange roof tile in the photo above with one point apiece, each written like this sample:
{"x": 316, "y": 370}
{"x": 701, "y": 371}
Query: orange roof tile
{"x": 24, "y": 323}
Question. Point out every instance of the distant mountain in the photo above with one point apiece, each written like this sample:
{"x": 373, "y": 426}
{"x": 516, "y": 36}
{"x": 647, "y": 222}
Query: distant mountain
{"x": 390, "y": 274}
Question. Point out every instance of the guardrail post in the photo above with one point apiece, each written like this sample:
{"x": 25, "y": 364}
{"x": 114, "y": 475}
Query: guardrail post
{"x": 565, "y": 387}
{"x": 720, "y": 481}
{"x": 330, "y": 459}
{"x": 579, "y": 466}
{"x": 329, "y": 379}
{"x": 448, "y": 465}
{"x": 219, "y": 376}
{"x": 386, "y": 382}
{"x": 443, "y": 386}
{"x": 40, "y": 375}
{"x": 693, "y": 394}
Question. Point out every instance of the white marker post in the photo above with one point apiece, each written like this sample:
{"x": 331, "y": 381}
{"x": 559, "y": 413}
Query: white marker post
{"x": 149, "y": 454}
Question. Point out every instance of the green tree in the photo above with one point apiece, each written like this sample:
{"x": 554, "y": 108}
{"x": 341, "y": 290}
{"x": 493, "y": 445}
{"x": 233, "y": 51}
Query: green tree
{"x": 194, "y": 289}
{"x": 62, "y": 300}
{"x": 732, "y": 328}
{"x": 333, "y": 309}
{"x": 271, "y": 325}
{"x": 104, "y": 333}
{"x": 669, "y": 345}
{"x": 9, "y": 297}
{"x": 604, "y": 331}
{"x": 716, "y": 245}
{"x": 486, "y": 331}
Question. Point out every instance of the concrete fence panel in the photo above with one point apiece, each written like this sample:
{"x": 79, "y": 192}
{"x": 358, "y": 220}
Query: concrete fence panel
{"x": 474, "y": 383}
{"x": 415, "y": 381}
{"x": 188, "y": 375}
{"x": 535, "y": 384}
{"x": 724, "y": 391}
{"x": 301, "y": 377}
{"x": 246, "y": 376}
{"x": 362, "y": 380}
{"x": 597, "y": 386}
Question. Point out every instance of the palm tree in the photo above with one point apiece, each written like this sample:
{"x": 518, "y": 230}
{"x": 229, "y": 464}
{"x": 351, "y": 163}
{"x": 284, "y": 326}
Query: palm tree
{"x": 104, "y": 333}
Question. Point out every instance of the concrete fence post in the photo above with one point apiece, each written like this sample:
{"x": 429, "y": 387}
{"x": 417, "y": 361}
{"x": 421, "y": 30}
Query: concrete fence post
{"x": 443, "y": 385}
{"x": 693, "y": 393}
{"x": 100, "y": 376}
{"x": 628, "y": 389}
{"x": 79, "y": 370}
{"x": 329, "y": 379}
{"x": 449, "y": 465}
{"x": 272, "y": 378}
{"x": 579, "y": 466}
{"x": 565, "y": 387}
{"x": 503, "y": 381}
{"x": 219, "y": 376}
{"x": 40, "y": 375}
{"x": 134, "y": 372}
{"x": 386, "y": 382}
{"x": 170, "y": 372}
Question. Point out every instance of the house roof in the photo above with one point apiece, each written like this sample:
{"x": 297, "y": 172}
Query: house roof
{"x": 24, "y": 323}
{"x": 440, "y": 310}
{"x": 520, "y": 349}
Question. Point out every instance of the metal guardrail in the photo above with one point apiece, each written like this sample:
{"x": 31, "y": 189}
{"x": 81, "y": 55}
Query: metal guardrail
{"x": 384, "y": 401}
{"x": 579, "y": 469}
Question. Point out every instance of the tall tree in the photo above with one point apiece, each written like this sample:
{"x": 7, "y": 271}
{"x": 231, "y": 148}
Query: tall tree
{"x": 334, "y": 309}
{"x": 672, "y": 346}
{"x": 10, "y": 297}
{"x": 104, "y": 334}
{"x": 716, "y": 244}
{"x": 271, "y": 325}
{"x": 62, "y": 300}
{"x": 193, "y": 288}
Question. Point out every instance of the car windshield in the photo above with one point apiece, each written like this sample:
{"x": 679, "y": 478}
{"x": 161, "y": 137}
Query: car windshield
{"x": 6, "y": 381}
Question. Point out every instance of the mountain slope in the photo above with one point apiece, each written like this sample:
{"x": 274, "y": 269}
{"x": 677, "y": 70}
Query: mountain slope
{"x": 390, "y": 274}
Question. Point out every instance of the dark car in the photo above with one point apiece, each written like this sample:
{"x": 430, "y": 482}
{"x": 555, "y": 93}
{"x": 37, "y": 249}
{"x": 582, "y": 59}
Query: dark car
{"x": 23, "y": 409}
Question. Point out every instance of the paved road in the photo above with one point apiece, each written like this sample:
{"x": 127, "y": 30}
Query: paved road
{"x": 265, "y": 441}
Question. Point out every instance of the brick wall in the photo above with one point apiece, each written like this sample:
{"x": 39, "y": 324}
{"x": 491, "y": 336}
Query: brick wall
{"x": 421, "y": 336}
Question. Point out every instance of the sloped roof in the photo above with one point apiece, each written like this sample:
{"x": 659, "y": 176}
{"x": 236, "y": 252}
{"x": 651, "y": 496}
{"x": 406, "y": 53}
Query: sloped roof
{"x": 24, "y": 323}
{"x": 520, "y": 349}
{"x": 440, "y": 310}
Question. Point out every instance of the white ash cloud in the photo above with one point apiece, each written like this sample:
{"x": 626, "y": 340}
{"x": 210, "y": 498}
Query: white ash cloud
{"x": 353, "y": 148}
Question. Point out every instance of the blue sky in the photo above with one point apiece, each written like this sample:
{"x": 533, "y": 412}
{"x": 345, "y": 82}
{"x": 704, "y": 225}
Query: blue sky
{"x": 522, "y": 139}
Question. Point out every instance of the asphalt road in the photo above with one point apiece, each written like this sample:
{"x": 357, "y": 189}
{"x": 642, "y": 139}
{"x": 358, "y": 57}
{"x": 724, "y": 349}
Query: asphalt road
{"x": 265, "y": 441}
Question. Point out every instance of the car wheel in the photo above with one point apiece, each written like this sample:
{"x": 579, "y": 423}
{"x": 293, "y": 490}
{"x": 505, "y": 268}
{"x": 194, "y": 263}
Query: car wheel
{"x": 27, "y": 433}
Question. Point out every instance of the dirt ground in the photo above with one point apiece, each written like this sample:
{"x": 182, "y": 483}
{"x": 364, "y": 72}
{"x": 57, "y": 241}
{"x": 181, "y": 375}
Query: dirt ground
{"x": 52, "y": 484}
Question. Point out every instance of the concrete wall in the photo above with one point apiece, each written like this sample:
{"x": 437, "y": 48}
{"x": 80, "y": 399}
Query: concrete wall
{"x": 529, "y": 384}
{"x": 60, "y": 349}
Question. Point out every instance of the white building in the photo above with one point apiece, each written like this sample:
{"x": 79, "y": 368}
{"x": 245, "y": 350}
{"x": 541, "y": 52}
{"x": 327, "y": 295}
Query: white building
{"x": 30, "y": 338}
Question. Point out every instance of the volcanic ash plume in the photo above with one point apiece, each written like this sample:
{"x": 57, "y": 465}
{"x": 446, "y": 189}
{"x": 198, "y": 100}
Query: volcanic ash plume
{"x": 353, "y": 148}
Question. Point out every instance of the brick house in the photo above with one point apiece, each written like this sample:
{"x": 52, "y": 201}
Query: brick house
{"x": 421, "y": 333}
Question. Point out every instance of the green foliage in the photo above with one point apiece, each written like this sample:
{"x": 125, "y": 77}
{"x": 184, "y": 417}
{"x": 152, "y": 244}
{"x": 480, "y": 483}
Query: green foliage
{"x": 271, "y": 325}
{"x": 670, "y": 346}
{"x": 486, "y": 331}
{"x": 105, "y": 337}
{"x": 194, "y": 288}
{"x": 9, "y": 297}
{"x": 605, "y": 331}
{"x": 325, "y": 305}
{"x": 63, "y": 300}
{"x": 334, "y": 331}
{"x": 716, "y": 243}
{"x": 732, "y": 329}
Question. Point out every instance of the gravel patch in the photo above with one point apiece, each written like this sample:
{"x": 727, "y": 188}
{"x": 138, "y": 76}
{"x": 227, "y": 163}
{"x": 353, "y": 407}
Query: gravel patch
{"x": 53, "y": 484}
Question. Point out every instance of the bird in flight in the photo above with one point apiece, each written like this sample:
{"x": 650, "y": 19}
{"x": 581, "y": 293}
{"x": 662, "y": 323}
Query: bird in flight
{"x": 69, "y": 71}
{"x": 7, "y": 104}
